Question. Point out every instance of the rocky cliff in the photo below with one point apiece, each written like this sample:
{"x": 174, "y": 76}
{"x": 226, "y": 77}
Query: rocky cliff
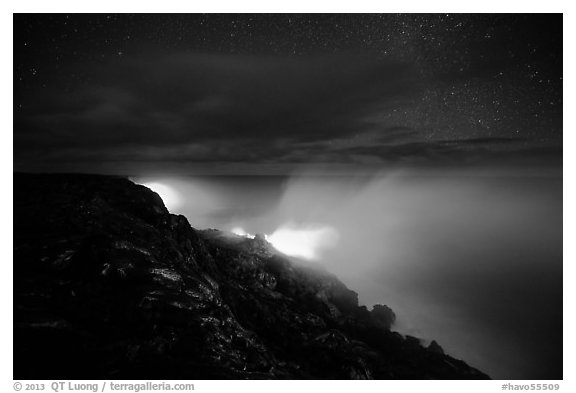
{"x": 109, "y": 284}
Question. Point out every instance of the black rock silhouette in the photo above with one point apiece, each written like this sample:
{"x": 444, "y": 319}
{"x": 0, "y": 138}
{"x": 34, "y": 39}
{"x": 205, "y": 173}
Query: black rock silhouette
{"x": 109, "y": 284}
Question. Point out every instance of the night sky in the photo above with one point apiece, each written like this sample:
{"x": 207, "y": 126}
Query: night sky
{"x": 264, "y": 94}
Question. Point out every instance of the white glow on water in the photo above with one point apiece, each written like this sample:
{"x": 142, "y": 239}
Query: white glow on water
{"x": 172, "y": 199}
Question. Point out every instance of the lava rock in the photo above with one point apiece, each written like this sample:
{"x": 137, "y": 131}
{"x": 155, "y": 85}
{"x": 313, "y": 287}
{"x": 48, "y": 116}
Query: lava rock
{"x": 383, "y": 315}
{"x": 109, "y": 284}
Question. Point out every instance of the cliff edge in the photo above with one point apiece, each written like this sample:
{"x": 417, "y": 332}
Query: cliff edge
{"x": 109, "y": 284}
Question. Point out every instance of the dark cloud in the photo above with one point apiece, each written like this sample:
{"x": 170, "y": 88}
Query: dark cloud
{"x": 482, "y": 141}
{"x": 365, "y": 89}
{"x": 200, "y": 108}
{"x": 208, "y": 107}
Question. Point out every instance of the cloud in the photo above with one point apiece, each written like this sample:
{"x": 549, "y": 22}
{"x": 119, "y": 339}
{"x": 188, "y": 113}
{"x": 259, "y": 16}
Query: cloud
{"x": 481, "y": 141}
{"x": 171, "y": 110}
{"x": 193, "y": 98}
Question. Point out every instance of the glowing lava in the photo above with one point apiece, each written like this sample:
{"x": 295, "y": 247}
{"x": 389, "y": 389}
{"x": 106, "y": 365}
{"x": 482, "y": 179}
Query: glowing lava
{"x": 170, "y": 197}
{"x": 303, "y": 242}
{"x": 241, "y": 232}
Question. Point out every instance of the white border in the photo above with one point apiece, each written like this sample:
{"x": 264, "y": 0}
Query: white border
{"x": 452, "y": 6}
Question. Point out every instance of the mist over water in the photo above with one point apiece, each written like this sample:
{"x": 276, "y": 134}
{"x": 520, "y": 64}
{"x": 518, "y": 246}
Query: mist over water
{"x": 474, "y": 262}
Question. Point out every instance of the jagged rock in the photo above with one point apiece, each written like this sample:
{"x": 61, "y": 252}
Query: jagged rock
{"x": 108, "y": 284}
{"x": 436, "y": 348}
{"x": 383, "y": 315}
